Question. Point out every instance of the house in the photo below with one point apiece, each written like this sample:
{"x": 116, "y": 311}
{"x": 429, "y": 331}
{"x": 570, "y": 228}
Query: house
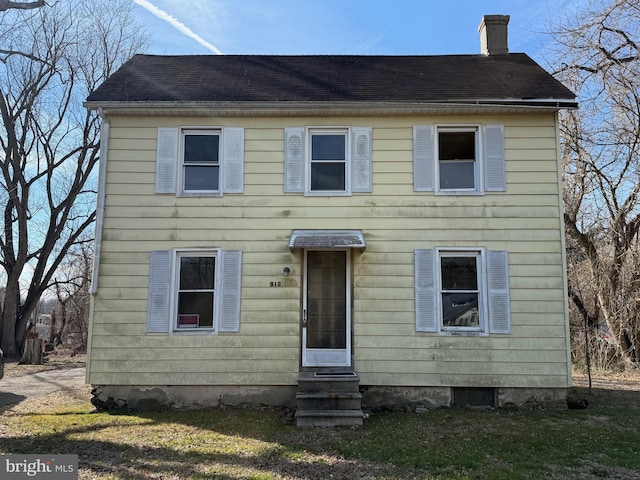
{"x": 386, "y": 230}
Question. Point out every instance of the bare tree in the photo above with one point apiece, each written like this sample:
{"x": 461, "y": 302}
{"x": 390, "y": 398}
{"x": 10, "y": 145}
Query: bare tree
{"x": 599, "y": 57}
{"x": 8, "y": 5}
{"x": 70, "y": 316}
{"x": 50, "y": 59}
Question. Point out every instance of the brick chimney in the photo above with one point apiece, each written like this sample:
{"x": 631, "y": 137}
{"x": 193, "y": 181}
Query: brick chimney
{"x": 493, "y": 35}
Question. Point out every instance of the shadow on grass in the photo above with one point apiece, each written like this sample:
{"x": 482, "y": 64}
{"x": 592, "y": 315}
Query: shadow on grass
{"x": 190, "y": 444}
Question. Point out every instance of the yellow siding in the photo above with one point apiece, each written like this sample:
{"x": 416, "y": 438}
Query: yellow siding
{"x": 525, "y": 221}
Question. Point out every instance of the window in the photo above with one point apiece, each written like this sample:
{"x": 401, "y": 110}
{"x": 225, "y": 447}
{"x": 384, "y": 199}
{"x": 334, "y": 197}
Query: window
{"x": 327, "y": 161}
{"x": 459, "y": 291}
{"x": 462, "y": 291}
{"x": 458, "y": 159}
{"x": 457, "y": 165}
{"x": 198, "y": 161}
{"x": 206, "y": 287}
{"x": 201, "y": 161}
{"x": 196, "y": 290}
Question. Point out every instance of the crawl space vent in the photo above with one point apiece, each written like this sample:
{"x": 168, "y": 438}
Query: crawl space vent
{"x": 474, "y": 397}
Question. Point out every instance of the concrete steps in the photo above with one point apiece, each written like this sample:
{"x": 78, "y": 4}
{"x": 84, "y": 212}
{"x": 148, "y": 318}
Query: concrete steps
{"x": 328, "y": 400}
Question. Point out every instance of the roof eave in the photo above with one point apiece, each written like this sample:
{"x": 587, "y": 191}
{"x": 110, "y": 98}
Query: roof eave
{"x": 333, "y": 108}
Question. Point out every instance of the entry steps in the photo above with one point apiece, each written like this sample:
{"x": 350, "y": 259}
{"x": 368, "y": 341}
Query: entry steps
{"x": 328, "y": 399}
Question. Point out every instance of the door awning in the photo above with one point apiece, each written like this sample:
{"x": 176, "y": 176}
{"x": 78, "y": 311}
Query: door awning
{"x": 327, "y": 239}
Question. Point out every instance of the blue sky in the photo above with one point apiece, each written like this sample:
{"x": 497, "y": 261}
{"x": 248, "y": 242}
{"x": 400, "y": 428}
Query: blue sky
{"x": 362, "y": 27}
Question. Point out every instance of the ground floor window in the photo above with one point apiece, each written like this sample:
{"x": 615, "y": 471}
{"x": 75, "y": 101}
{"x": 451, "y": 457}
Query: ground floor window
{"x": 196, "y": 292}
{"x": 462, "y": 291}
{"x": 459, "y": 291}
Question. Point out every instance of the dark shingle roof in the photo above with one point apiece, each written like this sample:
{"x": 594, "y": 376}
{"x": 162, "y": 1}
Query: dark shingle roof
{"x": 327, "y": 78}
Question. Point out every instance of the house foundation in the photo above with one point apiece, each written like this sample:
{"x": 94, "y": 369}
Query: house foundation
{"x": 114, "y": 397}
{"x": 374, "y": 398}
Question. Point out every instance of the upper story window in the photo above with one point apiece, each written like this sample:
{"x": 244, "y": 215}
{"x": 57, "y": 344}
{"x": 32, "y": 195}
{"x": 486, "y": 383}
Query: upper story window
{"x": 200, "y": 161}
{"x": 328, "y": 166}
{"x": 327, "y": 161}
{"x": 458, "y": 160}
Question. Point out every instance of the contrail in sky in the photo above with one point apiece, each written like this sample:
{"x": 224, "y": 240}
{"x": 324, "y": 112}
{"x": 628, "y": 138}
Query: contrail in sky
{"x": 177, "y": 24}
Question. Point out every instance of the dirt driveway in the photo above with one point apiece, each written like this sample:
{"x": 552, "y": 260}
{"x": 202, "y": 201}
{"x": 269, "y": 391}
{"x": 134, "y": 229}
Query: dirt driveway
{"x": 16, "y": 389}
{"x": 62, "y": 374}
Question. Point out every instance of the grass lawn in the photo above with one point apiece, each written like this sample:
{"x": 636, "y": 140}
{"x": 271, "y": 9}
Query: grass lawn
{"x": 602, "y": 441}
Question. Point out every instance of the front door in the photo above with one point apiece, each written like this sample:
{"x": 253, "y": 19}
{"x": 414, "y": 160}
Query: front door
{"x": 326, "y": 324}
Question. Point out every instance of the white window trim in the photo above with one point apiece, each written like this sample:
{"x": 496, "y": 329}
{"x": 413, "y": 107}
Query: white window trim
{"x": 309, "y": 132}
{"x": 483, "y": 313}
{"x": 176, "y": 253}
{"x": 478, "y": 164}
{"x": 208, "y": 130}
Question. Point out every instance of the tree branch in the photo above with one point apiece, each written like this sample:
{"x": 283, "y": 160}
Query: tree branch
{"x": 591, "y": 320}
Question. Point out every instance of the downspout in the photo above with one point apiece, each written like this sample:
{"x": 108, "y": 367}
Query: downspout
{"x": 565, "y": 280}
{"x": 102, "y": 185}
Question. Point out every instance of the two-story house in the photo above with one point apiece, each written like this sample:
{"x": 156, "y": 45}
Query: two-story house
{"x": 272, "y": 227}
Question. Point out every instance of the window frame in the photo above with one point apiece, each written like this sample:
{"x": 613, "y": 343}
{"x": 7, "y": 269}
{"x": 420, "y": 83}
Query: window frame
{"x": 212, "y": 131}
{"x": 481, "y": 274}
{"x": 177, "y": 254}
{"x": 478, "y": 164}
{"x": 310, "y": 132}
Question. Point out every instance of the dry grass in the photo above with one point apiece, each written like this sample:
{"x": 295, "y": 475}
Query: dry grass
{"x": 627, "y": 380}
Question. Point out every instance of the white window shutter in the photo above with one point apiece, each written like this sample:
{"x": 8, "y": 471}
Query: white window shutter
{"x": 425, "y": 291}
{"x": 498, "y": 292}
{"x": 494, "y": 164}
{"x": 294, "y": 163}
{"x": 423, "y": 158}
{"x": 159, "y": 293}
{"x": 361, "y": 157}
{"x": 167, "y": 160}
{"x": 233, "y": 160}
{"x": 230, "y": 286}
